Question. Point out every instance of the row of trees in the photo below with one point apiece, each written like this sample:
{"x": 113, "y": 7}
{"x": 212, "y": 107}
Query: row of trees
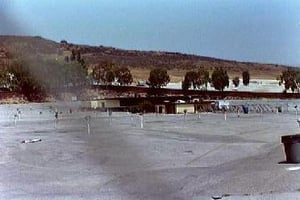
{"x": 107, "y": 73}
{"x": 219, "y": 79}
{"x": 35, "y": 77}
{"x": 159, "y": 77}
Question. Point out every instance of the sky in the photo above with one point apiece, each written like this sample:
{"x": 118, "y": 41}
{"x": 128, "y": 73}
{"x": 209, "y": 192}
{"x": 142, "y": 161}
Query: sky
{"x": 266, "y": 31}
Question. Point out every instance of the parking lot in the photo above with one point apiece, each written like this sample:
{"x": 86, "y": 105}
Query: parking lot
{"x": 171, "y": 157}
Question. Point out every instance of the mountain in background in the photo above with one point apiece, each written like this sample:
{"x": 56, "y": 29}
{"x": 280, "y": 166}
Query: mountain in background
{"x": 139, "y": 62}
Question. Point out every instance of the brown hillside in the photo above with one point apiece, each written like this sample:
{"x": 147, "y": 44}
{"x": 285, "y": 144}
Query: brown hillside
{"x": 140, "y": 62}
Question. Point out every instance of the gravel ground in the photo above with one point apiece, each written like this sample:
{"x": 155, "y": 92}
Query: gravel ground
{"x": 171, "y": 157}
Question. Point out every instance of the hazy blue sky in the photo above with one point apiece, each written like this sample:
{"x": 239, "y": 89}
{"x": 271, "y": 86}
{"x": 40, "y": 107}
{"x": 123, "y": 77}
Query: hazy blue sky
{"x": 246, "y": 30}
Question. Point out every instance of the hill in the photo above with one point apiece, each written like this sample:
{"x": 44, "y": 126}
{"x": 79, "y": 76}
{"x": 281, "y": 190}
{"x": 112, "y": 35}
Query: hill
{"x": 139, "y": 62}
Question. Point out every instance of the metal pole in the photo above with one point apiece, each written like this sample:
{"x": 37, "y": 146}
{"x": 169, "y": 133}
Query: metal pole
{"x": 88, "y": 128}
{"x": 88, "y": 119}
{"x": 131, "y": 121}
{"x": 56, "y": 119}
{"x": 15, "y": 119}
{"x": 110, "y": 116}
{"x": 19, "y": 114}
{"x": 142, "y": 121}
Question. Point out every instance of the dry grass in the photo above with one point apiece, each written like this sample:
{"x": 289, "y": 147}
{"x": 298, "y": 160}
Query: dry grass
{"x": 176, "y": 75}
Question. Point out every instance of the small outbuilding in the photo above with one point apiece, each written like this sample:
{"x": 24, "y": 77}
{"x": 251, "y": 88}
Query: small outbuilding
{"x": 182, "y": 107}
{"x": 103, "y": 103}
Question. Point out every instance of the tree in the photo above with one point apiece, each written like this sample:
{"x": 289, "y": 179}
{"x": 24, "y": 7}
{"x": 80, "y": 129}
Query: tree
{"x": 236, "y": 81}
{"x": 195, "y": 79}
{"x": 104, "y": 72}
{"x": 158, "y": 77}
{"x": 97, "y": 74}
{"x": 203, "y": 77}
{"x": 246, "y": 78}
{"x": 82, "y": 62}
{"x": 291, "y": 79}
{"x": 56, "y": 75}
{"x": 26, "y": 84}
{"x": 185, "y": 85}
{"x": 190, "y": 79}
{"x": 5, "y": 78}
{"x": 64, "y": 42}
{"x": 109, "y": 77}
{"x": 75, "y": 74}
{"x": 220, "y": 79}
{"x": 73, "y": 55}
{"x": 66, "y": 59}
{"x": 78, "y": 56}
{"x": 123, "y": 76}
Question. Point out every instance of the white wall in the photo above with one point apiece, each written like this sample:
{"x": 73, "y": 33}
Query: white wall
{"x": 179, "y": 108}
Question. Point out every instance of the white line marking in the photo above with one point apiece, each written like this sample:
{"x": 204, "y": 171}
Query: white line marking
{"x": 293, "y": 168}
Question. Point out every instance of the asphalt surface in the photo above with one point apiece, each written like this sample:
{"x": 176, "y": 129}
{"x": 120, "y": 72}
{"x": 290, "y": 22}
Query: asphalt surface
{"x": 171, "y": 157}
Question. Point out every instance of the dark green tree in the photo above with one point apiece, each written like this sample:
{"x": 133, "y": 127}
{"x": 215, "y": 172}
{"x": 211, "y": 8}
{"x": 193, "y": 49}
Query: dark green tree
{"x": 58, "y": 75}
{"x": 246, "y": 78}
{"x": 236, "y": 81}
{"x": 75, "y": 75}
{"x": 185, "y": 84}
{"x": 26, "y": 83}
{"x": 220, "y": 79}
{"x": 73, "y": 55}
{"x": 66, "y": 59}
{"x": 78, "y": 56}
{"x": 123, "y": 76}
{"x": 158, "y": 77}
{"x": 63, "y": 42}
{"x": 104, "y": 72}
{"x": 291, "y": 79}
{"x": 203, "y": 77}
{"x": 190, "y": 80}
{"x": 109, "y": 77}
{"x": 5, "y": 78}
{"x": 82, "y": 62}
{"x": 196, "y": 79}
